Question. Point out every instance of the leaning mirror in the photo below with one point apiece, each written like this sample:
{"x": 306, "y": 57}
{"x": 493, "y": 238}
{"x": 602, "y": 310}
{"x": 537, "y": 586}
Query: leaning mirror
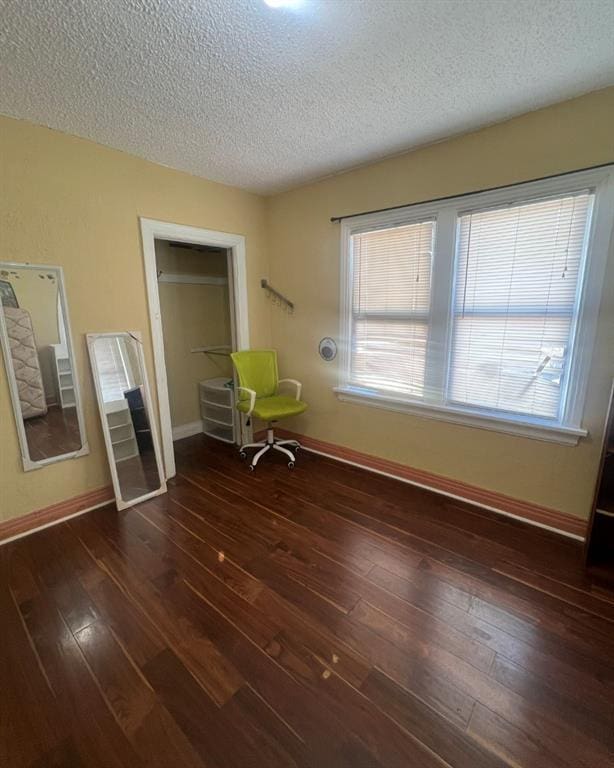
{"x": 124, "y": 403}
{"x": 40, "y": 365}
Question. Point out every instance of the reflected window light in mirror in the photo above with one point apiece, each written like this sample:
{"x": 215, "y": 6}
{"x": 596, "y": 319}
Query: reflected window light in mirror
{"x": 116, "y": 373}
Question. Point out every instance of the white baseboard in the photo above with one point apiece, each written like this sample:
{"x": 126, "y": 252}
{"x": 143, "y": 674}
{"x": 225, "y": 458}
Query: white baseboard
{"x": 187, "y": 430}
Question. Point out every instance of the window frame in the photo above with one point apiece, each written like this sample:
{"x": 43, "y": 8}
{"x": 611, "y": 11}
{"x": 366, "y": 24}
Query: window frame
{"x": 568, "y": 430}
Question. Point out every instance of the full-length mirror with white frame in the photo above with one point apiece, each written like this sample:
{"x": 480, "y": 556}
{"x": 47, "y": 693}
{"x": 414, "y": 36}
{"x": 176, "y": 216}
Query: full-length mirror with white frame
{"x": 40, "y": 364}
{"x": 124, "y": 402}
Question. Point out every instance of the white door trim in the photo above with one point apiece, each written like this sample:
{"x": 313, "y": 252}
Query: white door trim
{"x": 163, "y": 230}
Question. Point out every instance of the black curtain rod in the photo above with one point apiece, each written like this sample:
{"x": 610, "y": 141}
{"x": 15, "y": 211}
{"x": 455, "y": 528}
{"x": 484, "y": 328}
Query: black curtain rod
{"x": 335, "y": 219}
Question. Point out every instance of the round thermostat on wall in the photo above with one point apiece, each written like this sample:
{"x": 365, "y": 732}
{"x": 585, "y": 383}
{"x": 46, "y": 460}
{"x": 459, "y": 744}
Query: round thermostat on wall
{"x": 327, "y": 349}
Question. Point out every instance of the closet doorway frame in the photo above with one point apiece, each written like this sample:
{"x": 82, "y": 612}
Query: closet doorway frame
{"x": 152, "y": 230}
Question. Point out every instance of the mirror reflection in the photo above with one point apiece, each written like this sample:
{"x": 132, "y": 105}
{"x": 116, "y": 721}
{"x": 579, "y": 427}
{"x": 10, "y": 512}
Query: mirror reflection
{"x": 124, "y": 405}
{"x": 40, "y": 365}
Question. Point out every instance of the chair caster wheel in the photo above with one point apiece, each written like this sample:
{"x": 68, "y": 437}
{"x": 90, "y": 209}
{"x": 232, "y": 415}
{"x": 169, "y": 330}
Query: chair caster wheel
{"x": 290, "y": 465}
{"x": 242, "y": 455}
{"x": 251, "y": 467}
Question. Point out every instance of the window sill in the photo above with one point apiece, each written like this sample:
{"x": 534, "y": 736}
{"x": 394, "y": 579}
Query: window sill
{"x": 509, "y": 426}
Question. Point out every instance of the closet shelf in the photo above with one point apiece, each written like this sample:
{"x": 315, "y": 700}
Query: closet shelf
{"x": 167, "y": 277}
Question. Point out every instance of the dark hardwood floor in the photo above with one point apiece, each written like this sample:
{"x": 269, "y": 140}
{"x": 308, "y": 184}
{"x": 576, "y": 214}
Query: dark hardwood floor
{"x": 325, "y": 617}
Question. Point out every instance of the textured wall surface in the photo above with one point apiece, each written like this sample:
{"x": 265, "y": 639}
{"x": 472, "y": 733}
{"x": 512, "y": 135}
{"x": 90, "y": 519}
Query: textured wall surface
{"x": 69, "y": 202}
{"x": 263, "y": 98}
{"x": 305, "y": 267}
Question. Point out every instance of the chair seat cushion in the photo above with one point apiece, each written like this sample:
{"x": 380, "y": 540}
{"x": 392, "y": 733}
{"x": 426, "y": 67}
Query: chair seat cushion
{"x": 274, "y": 408}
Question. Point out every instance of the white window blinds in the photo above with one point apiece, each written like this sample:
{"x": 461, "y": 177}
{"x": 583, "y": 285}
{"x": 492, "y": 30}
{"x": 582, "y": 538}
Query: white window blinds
{"x": 114, "y": 379}
{"x": 515, "y": 301}
{"x": 479, "y": 309}
{"x": 391, "y": 289}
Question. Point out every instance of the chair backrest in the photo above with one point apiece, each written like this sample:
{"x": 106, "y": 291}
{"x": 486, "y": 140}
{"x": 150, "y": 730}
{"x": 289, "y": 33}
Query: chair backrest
{"x": 257, "y": 370}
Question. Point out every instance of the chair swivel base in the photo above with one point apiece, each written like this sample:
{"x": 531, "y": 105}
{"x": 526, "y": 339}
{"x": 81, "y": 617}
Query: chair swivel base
{"x": 271, "y": 443}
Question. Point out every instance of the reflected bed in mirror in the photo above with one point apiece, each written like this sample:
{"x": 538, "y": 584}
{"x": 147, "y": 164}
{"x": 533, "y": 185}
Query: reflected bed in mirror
{"x": 125, "y": 410}
{"x": 39, "y": 361}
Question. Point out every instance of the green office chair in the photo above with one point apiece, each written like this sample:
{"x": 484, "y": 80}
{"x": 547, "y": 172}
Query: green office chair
{"x": 258, "y": 396}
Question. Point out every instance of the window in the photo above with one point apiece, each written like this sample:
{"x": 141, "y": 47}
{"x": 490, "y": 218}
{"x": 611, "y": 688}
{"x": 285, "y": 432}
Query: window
{"x": 515, "y": 300}
{"x": 390, "y": 307}
{"x": 479, "y": 309}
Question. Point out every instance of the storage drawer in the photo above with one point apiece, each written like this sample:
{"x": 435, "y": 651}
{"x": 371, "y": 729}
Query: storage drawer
{"x": 215, "y": 392}
{"x": 219, "y": 432}
{"x": 216, "y": 413}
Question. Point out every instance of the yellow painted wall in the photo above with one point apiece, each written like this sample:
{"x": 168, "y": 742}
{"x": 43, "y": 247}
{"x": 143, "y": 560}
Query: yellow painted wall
{"x": 193, "y": 315}
{"x": 70, "y": 202}
{"x": 305, "y": 267}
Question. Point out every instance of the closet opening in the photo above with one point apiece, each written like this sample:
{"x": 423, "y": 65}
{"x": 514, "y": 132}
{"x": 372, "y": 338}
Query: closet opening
{"x": 198, "y": 309}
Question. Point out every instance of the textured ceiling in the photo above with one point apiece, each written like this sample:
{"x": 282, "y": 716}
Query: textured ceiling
{"x": 265, "y": 98}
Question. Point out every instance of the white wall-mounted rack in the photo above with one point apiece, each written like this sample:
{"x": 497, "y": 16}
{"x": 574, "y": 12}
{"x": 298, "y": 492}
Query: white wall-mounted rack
{"x": 276, "y": 295}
